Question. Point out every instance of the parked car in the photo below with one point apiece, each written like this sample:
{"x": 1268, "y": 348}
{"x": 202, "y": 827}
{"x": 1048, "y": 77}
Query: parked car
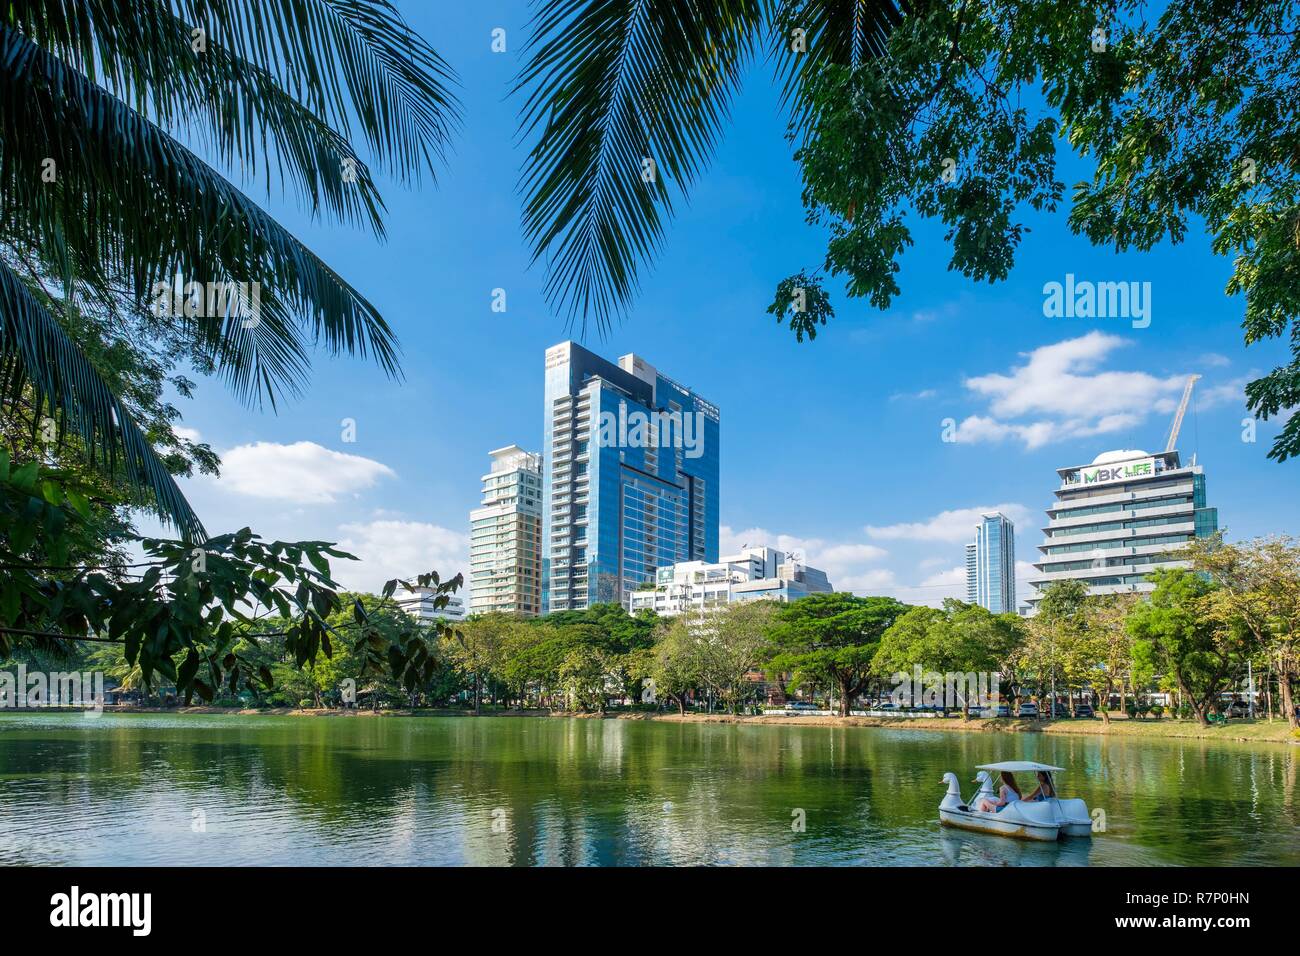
{"x": 1238, "y": 708}
{"x": 1004, "y": 710}
{"x": 1027, "y": 709}
{"x": 800, "y": 705}
{"x": 1084, "y": 710}
{"x": 1060, "y": 710}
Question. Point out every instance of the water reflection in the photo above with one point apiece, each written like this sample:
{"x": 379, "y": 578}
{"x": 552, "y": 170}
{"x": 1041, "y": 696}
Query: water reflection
{"x": 128, "y": 789}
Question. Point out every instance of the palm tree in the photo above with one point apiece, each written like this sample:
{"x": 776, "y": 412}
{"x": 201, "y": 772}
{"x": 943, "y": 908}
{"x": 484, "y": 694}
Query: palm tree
{"x": 624, "y": 95}
{"x": 103, "y": 197}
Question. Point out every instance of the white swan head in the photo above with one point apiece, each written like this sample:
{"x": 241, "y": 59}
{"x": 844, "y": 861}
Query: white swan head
{"x": 984, "y": 780}
{"x": 954, "y": 787}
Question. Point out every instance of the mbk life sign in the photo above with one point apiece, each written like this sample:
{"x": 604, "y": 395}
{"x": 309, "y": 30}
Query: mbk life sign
{"x": 1120, "y": 471}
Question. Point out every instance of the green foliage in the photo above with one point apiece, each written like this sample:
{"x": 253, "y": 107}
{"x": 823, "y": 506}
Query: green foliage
{"x": 192, "y": 615}
{"x": 958, "y": 638}
{"x": 802, "y": 298}
{"x": 831, "y": 638}
{"x": 1185, "y": 115}
{"x": 1177, "y": 632}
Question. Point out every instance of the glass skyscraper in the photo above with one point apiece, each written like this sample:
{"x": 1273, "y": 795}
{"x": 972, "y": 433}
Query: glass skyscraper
{"x": 630, "y": 477}
{"x": 991, "y": 565}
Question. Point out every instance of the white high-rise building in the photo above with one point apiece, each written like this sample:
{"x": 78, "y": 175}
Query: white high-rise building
{"x": 505, "y": 565}
{"x": 1121, "y": 517}
{"x": 752, "y": 574}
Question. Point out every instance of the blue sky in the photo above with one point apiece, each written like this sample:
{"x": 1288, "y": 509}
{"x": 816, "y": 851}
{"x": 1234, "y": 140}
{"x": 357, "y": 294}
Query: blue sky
{"x": 832, "y": 448}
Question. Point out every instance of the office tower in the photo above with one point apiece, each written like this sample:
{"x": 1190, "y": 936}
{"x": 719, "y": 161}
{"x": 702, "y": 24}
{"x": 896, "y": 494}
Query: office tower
{"x": 630, "y": 477}
{"x": 751, "y": 574}
{"x": 991, "y": 565}
{"x": 505, "y": 568}
{"x": 1119, "y": 518}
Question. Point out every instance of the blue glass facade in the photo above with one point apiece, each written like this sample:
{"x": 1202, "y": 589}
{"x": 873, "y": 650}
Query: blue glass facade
{"x": 995, "y": 564}
{"x": 630, "y": 477}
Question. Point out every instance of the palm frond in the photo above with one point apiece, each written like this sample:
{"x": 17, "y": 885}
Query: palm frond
{"x": 128, "y": 200}
{"x": 838, "y": 32}
{"x": 34, "y": 349}
{"x": 350, "y": 63}
{"x": 607, "y": 86}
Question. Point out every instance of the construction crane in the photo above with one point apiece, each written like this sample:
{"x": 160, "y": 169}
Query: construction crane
{"x": 1182, "y": 410}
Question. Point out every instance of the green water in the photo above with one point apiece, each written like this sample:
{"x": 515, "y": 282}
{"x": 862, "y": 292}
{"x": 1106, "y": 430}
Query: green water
{"x": 146, "y": 789}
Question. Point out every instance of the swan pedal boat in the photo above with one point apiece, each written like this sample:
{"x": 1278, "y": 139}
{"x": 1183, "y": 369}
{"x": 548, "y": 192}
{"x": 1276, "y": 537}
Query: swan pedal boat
{"x": 1045, "y": 820}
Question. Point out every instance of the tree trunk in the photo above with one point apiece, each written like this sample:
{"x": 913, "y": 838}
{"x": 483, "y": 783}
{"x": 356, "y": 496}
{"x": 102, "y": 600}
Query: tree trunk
{"x": 1284, "y": 687}
{"x": 846, "y": 697}
{"x": 1198, "y": 708}
{"x": 477, "y": 693}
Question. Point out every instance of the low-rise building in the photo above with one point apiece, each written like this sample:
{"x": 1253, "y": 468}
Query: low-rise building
{"x": 752, "y": 574}
{"x": 420, "y": 604}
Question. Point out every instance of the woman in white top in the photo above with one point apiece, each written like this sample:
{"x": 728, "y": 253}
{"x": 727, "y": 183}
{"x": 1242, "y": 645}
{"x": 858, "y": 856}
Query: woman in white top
{"x": 1007, "y": 793}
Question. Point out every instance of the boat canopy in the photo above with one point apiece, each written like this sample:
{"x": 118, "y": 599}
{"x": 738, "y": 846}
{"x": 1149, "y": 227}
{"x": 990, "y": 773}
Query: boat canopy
{"x": 1017, "y": 766}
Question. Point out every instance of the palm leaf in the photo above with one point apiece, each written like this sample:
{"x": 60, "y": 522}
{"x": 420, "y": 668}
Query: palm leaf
{"x": 607, "y": 85}
{"x": 34, "y": 349}
{"x": 838, "y": 32}
{"x": 347, "y": 62}
{"x": 130, "y": 201}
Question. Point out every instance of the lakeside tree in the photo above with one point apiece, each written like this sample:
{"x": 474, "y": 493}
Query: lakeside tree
{"x": 1178, "y": 632}
{"x": 1258, "y": 584}
{"x": 731, "y": 642}
{"x": 831, "y": 639}
{"x": 675, "y": 666}
{"x": 1055, "y": 644}
{"x": 1110, "y": 647}
{"x": 957, "y": 638}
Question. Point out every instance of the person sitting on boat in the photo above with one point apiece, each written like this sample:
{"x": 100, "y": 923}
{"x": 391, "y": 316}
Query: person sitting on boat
{"x": 1044, "y": 790}
{"x": 1007, "y": 793}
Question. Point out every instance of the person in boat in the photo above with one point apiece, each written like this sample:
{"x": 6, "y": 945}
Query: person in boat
{"x": 1007, "y": 793}
{"x": 1044, "y": 790}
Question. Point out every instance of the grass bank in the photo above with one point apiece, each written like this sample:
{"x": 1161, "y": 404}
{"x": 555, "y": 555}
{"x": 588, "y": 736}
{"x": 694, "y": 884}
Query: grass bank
{"x": 1245, "y": 731}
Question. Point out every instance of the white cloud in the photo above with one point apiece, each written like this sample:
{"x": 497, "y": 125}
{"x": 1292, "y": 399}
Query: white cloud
{"x": 950, "y": 527}
{"x": 303, "y": 472}
{"x": 1055, "y": 380}
{"x": 389, "y": 548}
{"x": 1062, "y": 393}
{"x": 187, "y": 433}
{"x": 1214, "y": 360}
{"x": 1228, "y": 393}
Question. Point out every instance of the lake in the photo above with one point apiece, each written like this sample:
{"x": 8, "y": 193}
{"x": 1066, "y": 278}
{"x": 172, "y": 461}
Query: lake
{"x": 144, "y": 789}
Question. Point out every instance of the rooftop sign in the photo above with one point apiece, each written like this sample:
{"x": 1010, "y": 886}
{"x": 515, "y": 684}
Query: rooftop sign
{"x": 1120, "y": 471}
